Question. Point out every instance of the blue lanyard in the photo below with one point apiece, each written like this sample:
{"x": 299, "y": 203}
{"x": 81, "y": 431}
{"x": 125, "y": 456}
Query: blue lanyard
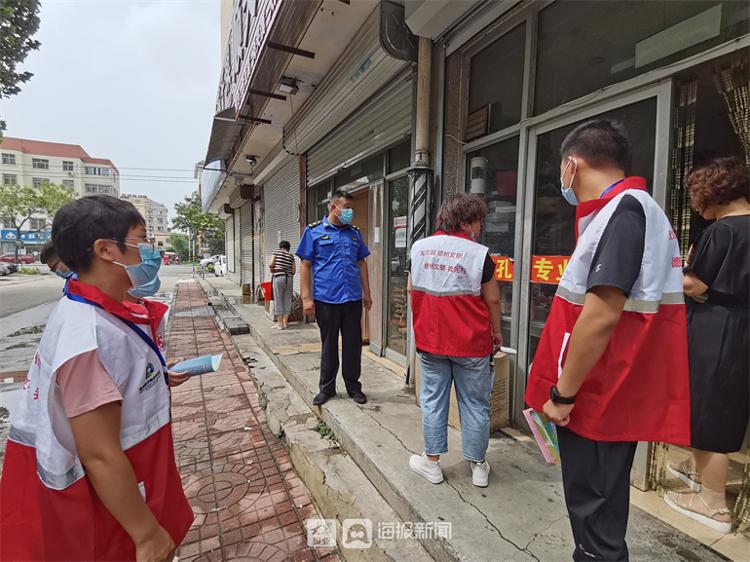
{"x": 130, "y": 324}
{"x": 611, "y": 187}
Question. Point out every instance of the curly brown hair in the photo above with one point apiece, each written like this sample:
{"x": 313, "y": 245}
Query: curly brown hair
{"x": 458, "y": 209}
{"x": 720, "y": 181}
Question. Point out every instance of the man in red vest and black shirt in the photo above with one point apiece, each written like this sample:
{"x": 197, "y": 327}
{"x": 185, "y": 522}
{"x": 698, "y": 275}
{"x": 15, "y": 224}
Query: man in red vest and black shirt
{"x": 611, "y": 367}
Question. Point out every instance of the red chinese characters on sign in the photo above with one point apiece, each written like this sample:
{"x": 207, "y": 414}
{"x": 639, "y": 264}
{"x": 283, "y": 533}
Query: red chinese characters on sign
{"x": 548, "y": 269}
{"x": 544, "y": 269}
{"x": 503, "y": 268}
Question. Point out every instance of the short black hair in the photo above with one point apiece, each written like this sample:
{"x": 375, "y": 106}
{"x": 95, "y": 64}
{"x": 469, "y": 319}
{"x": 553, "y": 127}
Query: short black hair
{"x": 340, "y": 194}
{"x": 82, "y": 222}
{"x": 48, "y": 254}
{"x": 599, "y": 142}
{"x": 284, "y": 245}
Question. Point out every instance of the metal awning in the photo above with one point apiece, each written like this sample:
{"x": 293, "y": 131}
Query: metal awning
{"x": 224, "y": 133}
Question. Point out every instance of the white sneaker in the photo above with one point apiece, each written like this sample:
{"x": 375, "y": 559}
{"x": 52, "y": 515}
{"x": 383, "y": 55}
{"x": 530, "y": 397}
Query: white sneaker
{"x": 480, "y": 474}
{"x": 429, "y": 470}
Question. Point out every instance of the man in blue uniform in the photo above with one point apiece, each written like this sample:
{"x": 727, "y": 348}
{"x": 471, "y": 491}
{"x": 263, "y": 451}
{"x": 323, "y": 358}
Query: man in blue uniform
{"x": 335, "y": 285}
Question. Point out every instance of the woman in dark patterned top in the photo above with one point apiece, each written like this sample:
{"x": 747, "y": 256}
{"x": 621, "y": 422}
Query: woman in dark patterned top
{"x": 717, "y": 282}
{"x": 283, "y": 268}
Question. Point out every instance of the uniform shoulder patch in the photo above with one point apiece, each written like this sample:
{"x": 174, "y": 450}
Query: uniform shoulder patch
{"x": 355, "y": 227}
{"x": 314, "y": 224}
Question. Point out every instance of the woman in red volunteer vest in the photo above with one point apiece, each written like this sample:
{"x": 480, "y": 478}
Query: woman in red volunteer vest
{"x": 611, "y": 366}
{"x": 456, "y": 312}
{"x": 89, "y": 470}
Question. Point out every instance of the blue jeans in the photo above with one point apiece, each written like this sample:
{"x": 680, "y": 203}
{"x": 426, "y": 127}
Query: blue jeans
{"x": 473, "y": 377}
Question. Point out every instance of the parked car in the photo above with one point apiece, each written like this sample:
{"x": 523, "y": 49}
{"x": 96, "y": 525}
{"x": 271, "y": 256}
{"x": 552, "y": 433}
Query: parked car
{"x": 22, "y": 258}
{"x": 4, "y": 270}
{"x": 211, "y": 259}
{"x": 11, "y": 267}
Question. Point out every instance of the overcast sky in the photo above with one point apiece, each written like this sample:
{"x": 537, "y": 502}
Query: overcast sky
{"x": 132, "y": 81}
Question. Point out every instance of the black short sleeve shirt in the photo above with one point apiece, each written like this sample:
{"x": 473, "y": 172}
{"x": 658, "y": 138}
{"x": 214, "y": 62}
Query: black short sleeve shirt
{"x": 618, "y": 257}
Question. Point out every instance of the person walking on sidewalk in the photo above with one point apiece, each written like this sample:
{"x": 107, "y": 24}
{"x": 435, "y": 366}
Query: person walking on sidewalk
{"x": 455, "y": 304}
{"x": 283, "y": 269}
{"x": 335, "y": 285}
{"x": 611, "y": 366}
{"x": 89, "y": 471}
{"x": 717, "y": 280}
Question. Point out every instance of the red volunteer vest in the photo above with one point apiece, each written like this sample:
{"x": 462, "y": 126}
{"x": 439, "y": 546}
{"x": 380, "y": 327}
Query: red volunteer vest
{"x": 449, "y": 315}
{"x": 48, "y": 508}
{"x": 639, "y": 389}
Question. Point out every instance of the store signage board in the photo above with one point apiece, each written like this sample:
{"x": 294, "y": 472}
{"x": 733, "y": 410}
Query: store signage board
{"x": 544, "y": 269}
{"x": 9, "y": 235}
{"x": 251, "y": 24}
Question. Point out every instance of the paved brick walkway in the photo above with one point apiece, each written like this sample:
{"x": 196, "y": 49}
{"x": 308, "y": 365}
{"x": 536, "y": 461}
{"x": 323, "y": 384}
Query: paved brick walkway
{"x": 248, "y": 502}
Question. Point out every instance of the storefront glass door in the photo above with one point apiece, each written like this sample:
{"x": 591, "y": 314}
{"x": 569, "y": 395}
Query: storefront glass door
{"x": 493, "y": 174}
{"x": 553, "y": 237}
{"x": 397, "y": 210}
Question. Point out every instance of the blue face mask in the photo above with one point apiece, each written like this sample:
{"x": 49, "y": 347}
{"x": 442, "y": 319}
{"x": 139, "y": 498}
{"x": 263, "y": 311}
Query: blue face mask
{"x": 143, "y": 275}
{"x": 347, "y": 216}
{"x": 64, "y": 274}
{"x": 147, "y": 290}
{"x": 567, "y": 192}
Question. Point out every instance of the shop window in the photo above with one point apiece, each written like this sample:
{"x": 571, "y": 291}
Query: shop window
{"x": 359, "y": 174}
{"x": 496, "y": 85}
{"x": 399, "y": 157}
{"x": 586, "y": 45}
{"x": 554, "y": 235}
{"x": 492, "y": 172}
{"x": 317, "y": 201}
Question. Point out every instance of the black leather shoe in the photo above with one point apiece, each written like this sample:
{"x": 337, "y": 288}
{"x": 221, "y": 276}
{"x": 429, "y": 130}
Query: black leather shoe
{"x": 359, "y": 397}
{"x": 321, "y": 398}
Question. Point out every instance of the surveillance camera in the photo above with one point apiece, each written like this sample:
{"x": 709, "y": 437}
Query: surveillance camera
{"x": 251, "y": 159}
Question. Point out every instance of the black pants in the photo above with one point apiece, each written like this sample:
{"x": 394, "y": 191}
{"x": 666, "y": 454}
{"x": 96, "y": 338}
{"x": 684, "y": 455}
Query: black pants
{"x": 344, "y": 319}
{"x": 596, "y": 481}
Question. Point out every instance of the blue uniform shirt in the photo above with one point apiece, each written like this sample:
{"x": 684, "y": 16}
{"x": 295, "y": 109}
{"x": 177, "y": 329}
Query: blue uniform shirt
{"x": 334, "y": 252}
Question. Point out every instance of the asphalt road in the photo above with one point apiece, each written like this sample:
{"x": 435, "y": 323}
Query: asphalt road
{"x": 24, "y": 292}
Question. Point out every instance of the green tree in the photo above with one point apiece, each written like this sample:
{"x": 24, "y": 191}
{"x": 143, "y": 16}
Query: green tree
{"x": 192, "y": 220}
{"x": 178, "y": 243}
{"x": 19, "y": 21}
{"x": 19, "y": 204}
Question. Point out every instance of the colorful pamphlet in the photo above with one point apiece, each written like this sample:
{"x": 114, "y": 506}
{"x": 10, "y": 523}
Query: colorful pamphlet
{"x": 198, "y": 365}
{"x": 545, "y": 435}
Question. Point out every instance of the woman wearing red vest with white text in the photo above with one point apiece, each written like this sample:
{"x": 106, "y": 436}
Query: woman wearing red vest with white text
{"x": 611, "y": 366}
{"x": 89, "y": 470}
{"x": 455, "y": 304}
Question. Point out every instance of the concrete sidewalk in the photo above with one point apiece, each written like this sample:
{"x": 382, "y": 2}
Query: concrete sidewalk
{"x": 520, "y": 516}
{"x": 248, "y": 502}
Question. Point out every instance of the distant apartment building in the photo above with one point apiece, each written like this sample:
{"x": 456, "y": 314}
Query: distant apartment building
{"x": 26, "y": 162}
{"x": 156, "y": 215}
{"x": 31, "y": 162}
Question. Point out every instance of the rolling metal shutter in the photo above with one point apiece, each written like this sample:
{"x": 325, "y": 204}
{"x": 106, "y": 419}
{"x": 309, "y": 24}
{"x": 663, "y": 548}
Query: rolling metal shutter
{"x": 382, "y": 122}
{"x": 229, "y": 243}
{"x": 282, "y": 210}
{"x": 246, "y": 233}
{"x": 237, "y": 246}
